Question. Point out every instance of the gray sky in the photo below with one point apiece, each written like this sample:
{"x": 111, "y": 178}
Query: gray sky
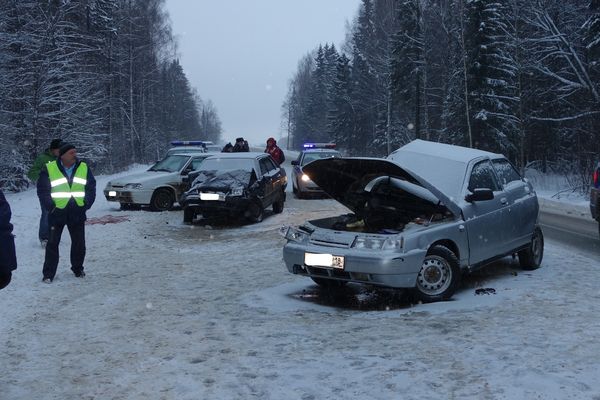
{"x": 241, "y": 54}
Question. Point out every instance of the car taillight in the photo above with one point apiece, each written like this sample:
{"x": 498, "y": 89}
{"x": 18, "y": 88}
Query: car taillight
{"x": 597, "y": 177}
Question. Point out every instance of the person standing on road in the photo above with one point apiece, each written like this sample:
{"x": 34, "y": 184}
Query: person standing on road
{"x": 8, "y": 257}
{"x": 34, "y": 173}
{"x": 67, "y": 189}
{"x": 274, "y": 151}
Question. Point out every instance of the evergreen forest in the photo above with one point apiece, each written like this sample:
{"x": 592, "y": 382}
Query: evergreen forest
{"x": 100, "y": 74}
{"x": 518, "y": 77}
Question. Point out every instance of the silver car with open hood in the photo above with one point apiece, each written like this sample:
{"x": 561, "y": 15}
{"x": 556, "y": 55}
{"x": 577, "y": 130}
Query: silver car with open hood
{"x": 420, "y": 218}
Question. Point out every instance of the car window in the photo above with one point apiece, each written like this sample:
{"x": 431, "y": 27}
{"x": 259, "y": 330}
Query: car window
{"x": 170, "y": 163}
{"x": 271, "y": 166}
{"x": 482, "y": 177}
{"x": 506, "y": 172}
{"x": 196, "y": 163}
{"x": 264, "y": 166}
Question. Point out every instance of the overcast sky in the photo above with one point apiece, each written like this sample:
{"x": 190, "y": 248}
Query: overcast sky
{"x": 241, "y": 54}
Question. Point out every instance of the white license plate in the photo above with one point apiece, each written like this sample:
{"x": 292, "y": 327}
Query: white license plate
{"x": 210, "y": 196}
{"x": 112, "y": 193}
{"x": 324, "y": 260}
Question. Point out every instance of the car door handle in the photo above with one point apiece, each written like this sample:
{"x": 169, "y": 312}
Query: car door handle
{"x": 503, "y": 200}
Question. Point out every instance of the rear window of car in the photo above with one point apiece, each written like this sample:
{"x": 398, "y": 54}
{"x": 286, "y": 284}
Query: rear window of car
{"x": 227, "y": 164}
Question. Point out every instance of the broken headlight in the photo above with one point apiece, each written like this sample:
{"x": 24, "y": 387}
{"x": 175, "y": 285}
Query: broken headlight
{"x": 238, "y": 191}
{"x": 293, "y": 234}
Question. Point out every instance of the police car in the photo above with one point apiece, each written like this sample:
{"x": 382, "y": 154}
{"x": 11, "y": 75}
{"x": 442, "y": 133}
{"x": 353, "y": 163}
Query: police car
{"x": 302, "y": 185}
{"x": 160, "y": 186}
{"x": 188, "y": 146}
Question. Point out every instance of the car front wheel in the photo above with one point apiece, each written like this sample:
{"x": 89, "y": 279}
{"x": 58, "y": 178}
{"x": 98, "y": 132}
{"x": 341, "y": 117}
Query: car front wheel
{"x": 439, "y": 275}
{"x": 278, "y": 204}
{"x": 531, "y": 257}
{"x": 188, "y": 215}
{"x": 255, "y": 212}
{"x": 162, "y": 200}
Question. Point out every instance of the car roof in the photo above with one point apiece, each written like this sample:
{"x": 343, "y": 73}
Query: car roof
{"x": 241, "y": 154}
{"x": 191, "y": 154}
{"x": 443, "y": 165}
{"x": 320, "y": 151}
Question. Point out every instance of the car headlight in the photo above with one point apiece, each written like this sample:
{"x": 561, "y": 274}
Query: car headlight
{"x": 238, "y": 191}
{"x": 293, "y": 234}
{"x": 137, "y": 186}
{"x": 305, "y": 178}
{"x": 374, "y": 243}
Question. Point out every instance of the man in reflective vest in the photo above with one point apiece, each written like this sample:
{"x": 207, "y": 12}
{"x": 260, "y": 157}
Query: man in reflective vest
{"x": 67, "y": 189}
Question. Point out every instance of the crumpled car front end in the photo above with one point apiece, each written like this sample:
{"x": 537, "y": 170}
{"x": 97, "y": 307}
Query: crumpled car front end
{"x": 384, "y": 241}
{"x": 218, "y": 193}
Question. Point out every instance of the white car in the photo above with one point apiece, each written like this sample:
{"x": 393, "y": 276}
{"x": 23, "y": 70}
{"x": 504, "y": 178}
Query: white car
{"x": 159, "y": 187}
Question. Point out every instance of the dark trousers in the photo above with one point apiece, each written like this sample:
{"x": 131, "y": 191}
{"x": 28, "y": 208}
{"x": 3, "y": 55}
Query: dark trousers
{"x": 44, "y": 231}
{"x": 77, "y": 233}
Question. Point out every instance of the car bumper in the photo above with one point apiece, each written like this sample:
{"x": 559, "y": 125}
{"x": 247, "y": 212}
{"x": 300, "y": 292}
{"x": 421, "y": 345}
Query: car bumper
{"x": 141, "y": 197}
{"x": 309, "y": 187}
{"x": 229, "y": 206}
{"x": 375, "y": 267}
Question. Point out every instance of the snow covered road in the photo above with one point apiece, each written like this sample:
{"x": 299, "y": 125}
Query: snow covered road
{"x": 171, "y": 311}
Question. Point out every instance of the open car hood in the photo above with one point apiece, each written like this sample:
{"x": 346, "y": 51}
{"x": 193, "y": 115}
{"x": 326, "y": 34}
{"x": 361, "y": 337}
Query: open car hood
{"x": 351, "y": 180}
{"x": 222, "y": 181}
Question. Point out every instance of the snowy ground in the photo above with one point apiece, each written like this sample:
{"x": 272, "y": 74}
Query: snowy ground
{"x": 170, "y": 311}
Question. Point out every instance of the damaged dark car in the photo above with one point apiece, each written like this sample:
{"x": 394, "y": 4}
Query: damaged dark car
{"x": 235, "y": 186}
{"x": 420, "y": 219}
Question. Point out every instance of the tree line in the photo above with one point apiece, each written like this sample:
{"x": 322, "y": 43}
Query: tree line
{"x": 518, "y": 77}
{"x": 100, "y": 74}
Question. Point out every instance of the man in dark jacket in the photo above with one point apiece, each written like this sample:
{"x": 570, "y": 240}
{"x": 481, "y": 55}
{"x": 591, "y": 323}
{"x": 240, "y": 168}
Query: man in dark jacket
{"x": 8, "y": 258}
{"x": 34, "y": 173}
{"x": 67, "y": 189}
{"x": 240, "y": 145}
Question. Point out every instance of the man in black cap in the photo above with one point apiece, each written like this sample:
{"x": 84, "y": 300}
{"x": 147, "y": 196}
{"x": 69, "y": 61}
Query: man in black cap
{"x": 67, "y": 189}
{"x": 240, "y": 145}
{"x": 34, "y": 173}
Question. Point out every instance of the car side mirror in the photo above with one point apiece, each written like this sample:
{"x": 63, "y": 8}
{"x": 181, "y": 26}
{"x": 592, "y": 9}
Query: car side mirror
{"x": 294, "y": 162}
{"x": 480, "y": 194}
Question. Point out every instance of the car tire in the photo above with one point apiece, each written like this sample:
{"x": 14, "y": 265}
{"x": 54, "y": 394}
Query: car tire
{"x": 255, "y": 212}
{"x": 531, "y": 257}
{"x": 328, "y": 283}
{"x": 125, "y": 206}
{"x": 162, "y": 200}
{"x": 188, "y": 215}
{"x": 439, "y": 275}
{"x": 298, "y": 192}
{"x": 278, "y": 205}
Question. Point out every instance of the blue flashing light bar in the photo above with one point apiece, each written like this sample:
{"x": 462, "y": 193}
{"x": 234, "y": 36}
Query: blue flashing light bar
{"x": 188, "y": 143}
{"x": 319, "y": 145}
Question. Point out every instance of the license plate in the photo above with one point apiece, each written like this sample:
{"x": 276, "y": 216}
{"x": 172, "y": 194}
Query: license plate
{"x": 324, "y": 260}
{"x": 112, "y": 193}
{"x": 210, "y": 196}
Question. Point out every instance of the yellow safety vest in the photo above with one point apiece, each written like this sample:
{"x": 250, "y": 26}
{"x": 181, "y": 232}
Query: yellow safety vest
{"x": 60, "y": 191}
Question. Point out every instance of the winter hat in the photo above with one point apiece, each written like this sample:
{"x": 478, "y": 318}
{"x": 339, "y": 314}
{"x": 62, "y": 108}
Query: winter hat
{"x": 240, "y": 139}
{"x": 64, "y": 148}
{"x": 55, "y": 144}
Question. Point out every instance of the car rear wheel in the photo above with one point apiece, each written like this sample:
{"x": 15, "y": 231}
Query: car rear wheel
{"x": 162, "y": 200}
{"x": 328, "y": 283}
{"x": 531, "y": 257}
{"x": 439, "y": 275}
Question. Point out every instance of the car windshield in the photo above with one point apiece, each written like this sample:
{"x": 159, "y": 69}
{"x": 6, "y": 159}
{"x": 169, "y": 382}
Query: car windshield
{"x": 308, "y": 157}
{"x": 170, "y": 163}
{"x": 227, "y": 164}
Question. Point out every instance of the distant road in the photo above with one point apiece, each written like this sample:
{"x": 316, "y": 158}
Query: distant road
{"x": 571, "y": 230}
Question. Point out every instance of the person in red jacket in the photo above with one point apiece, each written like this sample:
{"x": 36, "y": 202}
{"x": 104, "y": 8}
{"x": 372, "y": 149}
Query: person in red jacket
{"x": 274, "y": 151}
